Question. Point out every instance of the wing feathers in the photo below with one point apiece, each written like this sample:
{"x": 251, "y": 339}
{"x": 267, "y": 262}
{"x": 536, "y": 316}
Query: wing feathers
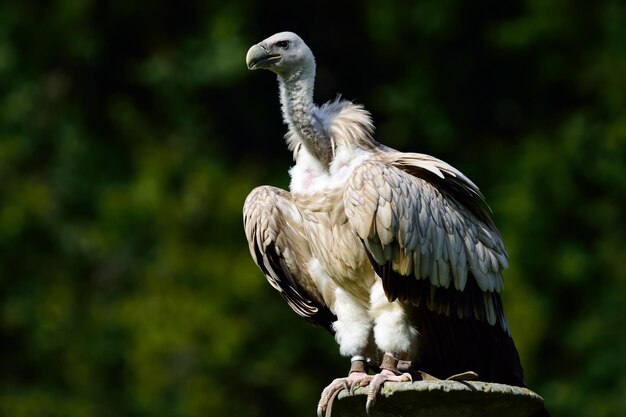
{"x": 420, "y": 225}
{"x": 280, "y": 250}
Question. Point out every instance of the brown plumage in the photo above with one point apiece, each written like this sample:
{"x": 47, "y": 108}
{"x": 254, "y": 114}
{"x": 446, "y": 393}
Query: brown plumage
{"x": 393, "y": 252}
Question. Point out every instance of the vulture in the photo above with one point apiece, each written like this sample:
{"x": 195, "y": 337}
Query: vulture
{"x": 393, "y": 253}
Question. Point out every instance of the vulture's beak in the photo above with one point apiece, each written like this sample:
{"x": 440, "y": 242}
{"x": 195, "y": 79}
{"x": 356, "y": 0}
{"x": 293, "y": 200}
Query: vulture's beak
{"x": 258, "y": 57}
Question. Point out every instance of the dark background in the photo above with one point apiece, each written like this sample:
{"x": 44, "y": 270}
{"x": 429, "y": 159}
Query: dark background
{"x": 131, "y": 133}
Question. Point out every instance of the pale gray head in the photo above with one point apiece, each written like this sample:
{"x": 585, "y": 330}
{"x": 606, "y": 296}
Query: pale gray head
{"x": 284, "y": 53}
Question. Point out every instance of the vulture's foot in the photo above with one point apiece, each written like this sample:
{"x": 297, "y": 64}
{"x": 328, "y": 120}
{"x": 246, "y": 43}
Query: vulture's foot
{"x": 376, "y": 383}
{"x": 357, "y": 377}
{"x": 354, "y": 380}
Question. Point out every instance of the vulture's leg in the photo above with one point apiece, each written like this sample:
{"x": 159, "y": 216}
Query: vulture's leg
{"x": 353, "y": 331}
{"x": 357, "y": 377}
{"x": 389, "y": 372}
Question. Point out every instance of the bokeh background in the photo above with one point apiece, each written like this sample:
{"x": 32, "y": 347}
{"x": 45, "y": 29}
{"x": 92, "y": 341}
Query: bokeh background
{"x": 131, "y": 133}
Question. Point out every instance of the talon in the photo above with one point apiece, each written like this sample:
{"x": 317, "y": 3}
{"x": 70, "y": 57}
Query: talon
{"x": 378, "y": 381}
{"x": 359, "y": 383}
{"x": 353, "y": 387}
{"x": 331, "y": 392}
{"x": 427, "y": 377}
{"x": 368, "y": 406}
{"x": 463, "y": 376}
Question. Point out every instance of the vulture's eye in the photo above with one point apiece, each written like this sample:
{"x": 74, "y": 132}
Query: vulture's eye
{"x": 283, "y": 44}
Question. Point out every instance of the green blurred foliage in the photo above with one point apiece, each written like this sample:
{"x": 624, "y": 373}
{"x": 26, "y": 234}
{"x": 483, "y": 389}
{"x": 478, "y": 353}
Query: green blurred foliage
{"x": 130, "y": 135}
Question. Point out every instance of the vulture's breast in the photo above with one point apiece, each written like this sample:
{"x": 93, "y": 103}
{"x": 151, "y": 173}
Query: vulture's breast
{"x": 332, "y": 240}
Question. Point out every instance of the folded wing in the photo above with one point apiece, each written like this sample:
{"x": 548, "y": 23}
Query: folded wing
{"x": 428, "y": 235}
{"x": 273, "y": 227}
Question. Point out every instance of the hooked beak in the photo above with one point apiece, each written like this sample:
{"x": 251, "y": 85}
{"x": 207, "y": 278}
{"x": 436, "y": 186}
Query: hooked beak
{"x": 258, "y": 57}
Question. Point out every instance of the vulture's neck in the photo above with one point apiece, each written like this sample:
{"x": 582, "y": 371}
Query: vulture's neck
{"x": 296, "y": 97}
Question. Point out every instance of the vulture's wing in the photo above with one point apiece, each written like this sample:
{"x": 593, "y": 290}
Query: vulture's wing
{"x": 428, "y": 235}
{"x": 277, "y": 244}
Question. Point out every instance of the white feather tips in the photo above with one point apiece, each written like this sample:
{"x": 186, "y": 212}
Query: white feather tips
{"x": 423, "y": 232}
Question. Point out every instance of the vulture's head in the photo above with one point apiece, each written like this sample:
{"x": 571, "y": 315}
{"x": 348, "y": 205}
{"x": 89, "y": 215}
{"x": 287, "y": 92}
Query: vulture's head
{"x": 283, "y": 53}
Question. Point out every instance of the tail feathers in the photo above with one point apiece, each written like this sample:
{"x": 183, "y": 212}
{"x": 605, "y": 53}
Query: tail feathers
{"x": 541, "y": 413}
{"x": 450, "y": 346}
